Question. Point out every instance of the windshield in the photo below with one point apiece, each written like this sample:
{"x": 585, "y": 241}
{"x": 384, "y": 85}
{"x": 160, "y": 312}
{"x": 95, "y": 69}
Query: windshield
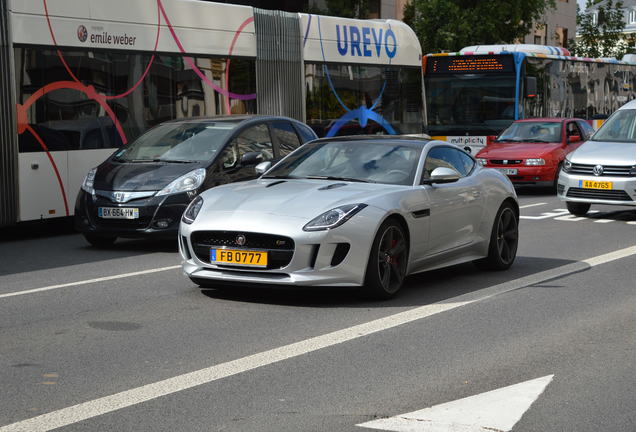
{"x": 178, "y": 142}
{"x": 375, "y": 162}
{"x": 541, "y": 132}
{"x": 475, "y": 103}
{"x": 620, "y": 127}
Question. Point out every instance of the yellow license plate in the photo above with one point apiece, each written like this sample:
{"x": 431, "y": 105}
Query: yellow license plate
{"x": 238, "y": 257}
{"x": 591, "y": 184}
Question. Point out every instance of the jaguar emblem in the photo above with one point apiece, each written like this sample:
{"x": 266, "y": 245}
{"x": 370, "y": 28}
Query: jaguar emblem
{"x": 598, "y": 170}
{"x": 241, "y": 240}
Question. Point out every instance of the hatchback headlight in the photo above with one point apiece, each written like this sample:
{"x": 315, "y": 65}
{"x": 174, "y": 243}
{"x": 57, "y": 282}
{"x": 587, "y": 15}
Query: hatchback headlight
{"x": 192, "y": 211}
{"x": 535, "y": 162}
{"x": 188, "y": 182}
{"x": 482, "y": 162}
{"x": 567, "y": 165}
{"x": 87, "y": 184}
{"x": 333, "y": 218}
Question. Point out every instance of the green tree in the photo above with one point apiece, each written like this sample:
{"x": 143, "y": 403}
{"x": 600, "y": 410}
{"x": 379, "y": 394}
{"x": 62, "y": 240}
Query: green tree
{"x": 449, "y": 25}
{"x": 603, "y": 38}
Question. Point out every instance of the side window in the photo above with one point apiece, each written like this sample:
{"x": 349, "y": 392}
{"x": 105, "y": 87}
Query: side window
{"x": 573, "y": 129}
{"x": 287, "y": 139}
{"x": 305, "y": 132}
{"x": 446, "y": 157}
{"x": 253, "y": 139}
{"x": 588, "y": 130}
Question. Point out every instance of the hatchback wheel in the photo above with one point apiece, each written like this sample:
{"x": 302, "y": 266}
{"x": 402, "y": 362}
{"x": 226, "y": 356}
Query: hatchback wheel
{"x": 578, "y": 209}
{"x": 504, "y": 239}
{"x": 388, "y": 261}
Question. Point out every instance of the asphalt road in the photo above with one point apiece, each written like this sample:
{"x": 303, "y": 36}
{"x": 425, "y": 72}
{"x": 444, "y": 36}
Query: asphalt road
{"x": 317, "y": 359}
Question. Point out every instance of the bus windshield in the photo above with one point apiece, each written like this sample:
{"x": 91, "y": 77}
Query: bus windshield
{"x": 482, "y": 104}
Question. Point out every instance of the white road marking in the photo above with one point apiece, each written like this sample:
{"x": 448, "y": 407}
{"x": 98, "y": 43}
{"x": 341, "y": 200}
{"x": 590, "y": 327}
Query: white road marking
{"x": 127, "y": 398}
{"x": 496, "y": 410}
{"x": 88, "y": 281}
{"x": 604, "y": 221}
{"x": 570, "y": 218}
{"x": 547, "y": 215}
{"x": 531, "y": 205}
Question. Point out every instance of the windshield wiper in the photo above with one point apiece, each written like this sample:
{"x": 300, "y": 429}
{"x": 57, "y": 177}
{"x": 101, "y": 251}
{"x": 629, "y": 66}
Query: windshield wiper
{"x": 534, "y": 140}
{"x": 282, "y": 176}
{"x": 507, "y": 140}
{"x": 349, "y": 179}
{"x": 156, "y": 160}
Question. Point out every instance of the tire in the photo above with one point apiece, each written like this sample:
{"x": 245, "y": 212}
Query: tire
{"x": 388, "y": 259}
{"x": 100, "y": 241}
{"x": 578, "y": 209}
{"x": 504, "y": 240}
{"x": 203, "y": 283}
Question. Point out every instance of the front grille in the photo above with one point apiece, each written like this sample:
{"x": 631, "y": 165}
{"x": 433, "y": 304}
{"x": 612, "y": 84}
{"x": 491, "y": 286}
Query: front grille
{"x": 506, "y": 161}
{"x": 280, "y": 249}
{"x": 613, "y": 195}
{"x": 608, "y": 170}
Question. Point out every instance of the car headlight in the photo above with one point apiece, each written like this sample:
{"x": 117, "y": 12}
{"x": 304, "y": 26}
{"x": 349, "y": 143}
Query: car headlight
{"x": 535, "y": 162}
{"x": 192, "y": 211}
{"x": 567, "y": 165}
{"x": 482, "y": 162}
{"x": 188, "y": 182}
{"x": 87, "y": 184}
{"x": 333, "y": 218}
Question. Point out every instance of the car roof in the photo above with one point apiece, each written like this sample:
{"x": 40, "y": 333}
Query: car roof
{"x": 239, "y": 118}
{"x": 629, "y": 105}
{"x": 548, "y": 119}
{"x": 384, "y": 139}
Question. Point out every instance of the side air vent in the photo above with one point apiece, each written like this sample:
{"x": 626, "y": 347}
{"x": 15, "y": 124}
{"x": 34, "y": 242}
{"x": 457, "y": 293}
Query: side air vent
{"x": 340, "y": 253}
{"x": 275, "y": 183}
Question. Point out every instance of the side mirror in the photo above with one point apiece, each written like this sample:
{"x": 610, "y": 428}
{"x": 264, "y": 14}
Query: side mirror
{"x": 251, "y": 158}
{"x": 262, "y": 167}
{"x": 574, "y": 138}
{"x": 531, "y": 87}
{"x": 443, "y": 175}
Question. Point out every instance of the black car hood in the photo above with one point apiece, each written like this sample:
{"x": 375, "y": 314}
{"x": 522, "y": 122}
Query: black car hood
{"x": 143, "y": 176}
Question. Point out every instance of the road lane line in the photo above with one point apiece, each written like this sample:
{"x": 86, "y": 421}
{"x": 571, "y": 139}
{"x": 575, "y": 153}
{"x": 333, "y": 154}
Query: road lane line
{"x": 127, "y": 398}
{"x": 88, "y": 281}
{"x": 531, "y": 205}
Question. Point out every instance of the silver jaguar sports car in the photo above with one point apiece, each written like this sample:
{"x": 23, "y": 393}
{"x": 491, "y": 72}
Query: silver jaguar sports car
{"x": 352, "y": 211}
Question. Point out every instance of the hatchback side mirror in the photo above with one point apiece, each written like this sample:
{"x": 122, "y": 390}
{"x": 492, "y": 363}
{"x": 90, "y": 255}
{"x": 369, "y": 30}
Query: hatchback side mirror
{"x": 443, "y": 175}
{"x": 251, "y": 158}
{"x": 262, "y": 167}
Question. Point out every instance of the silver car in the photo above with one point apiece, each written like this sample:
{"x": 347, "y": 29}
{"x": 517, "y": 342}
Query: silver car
{"x": 603, "y": 169}
{"x": 352, "y": 211}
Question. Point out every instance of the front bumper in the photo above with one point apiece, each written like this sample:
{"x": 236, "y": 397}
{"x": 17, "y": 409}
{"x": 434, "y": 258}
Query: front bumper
{"x": 623, "y": 192}
{"x": 313, "y": 258}
{"x": 530, "y": 175}
{"x": 158, "y": 216}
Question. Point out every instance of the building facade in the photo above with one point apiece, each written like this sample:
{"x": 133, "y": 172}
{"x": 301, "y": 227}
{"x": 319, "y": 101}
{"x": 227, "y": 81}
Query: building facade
{"x": 556, "y": 27}
{"x": 629, "y": 14}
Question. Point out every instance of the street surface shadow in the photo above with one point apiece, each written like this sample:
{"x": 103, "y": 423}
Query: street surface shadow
{"x": 624, "y": 214}
{"x": 42, "y": 246}
{"x": 535, "y": 191}
{"x": 418, "y": 290}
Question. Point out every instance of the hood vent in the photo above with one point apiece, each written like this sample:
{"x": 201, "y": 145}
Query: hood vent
{"x": 332, "y": 186}
{"x": 277, "y": 182}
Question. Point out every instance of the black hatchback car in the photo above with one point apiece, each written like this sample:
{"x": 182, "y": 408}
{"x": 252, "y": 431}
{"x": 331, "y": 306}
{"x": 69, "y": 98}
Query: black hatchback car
{"x": 144, "y": 187}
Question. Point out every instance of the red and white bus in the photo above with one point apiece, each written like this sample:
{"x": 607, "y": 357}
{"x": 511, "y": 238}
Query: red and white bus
{"x": 79, "y": 78}
{"x": 474, "y": 94}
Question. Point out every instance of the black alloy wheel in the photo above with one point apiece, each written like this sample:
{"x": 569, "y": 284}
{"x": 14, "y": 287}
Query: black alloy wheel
{"x": 388, "y": 260}
{"x": 504, "y": 240}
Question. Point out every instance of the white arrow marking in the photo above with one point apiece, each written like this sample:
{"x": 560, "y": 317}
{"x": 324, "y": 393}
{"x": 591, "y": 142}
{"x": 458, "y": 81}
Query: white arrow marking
{"x": 497, "y": 410}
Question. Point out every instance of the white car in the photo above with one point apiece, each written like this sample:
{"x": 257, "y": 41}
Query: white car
{"x": 603, "y": 169}
{"x": 352, "y": 211}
